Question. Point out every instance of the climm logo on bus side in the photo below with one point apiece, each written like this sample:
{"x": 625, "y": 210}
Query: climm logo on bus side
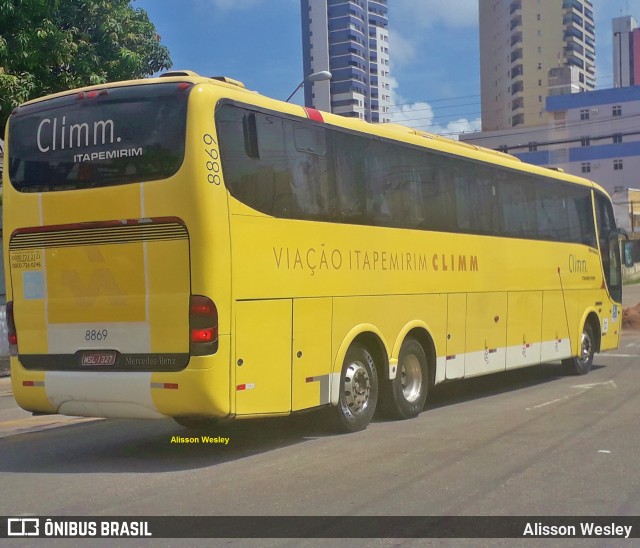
{"x": 577, "y": 265}
{"x": 580, "y": 266}
{"x": 55, "y": 134}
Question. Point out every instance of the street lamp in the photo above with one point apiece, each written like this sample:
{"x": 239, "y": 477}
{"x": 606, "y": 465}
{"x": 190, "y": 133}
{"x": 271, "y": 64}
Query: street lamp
{"x": 315, "y": 77}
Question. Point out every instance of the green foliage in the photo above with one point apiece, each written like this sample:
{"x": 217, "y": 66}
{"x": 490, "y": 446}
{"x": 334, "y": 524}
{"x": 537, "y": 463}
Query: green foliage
{"x": 48, "y": 46}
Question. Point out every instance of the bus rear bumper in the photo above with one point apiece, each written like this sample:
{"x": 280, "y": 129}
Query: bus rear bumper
{"x": 195, "y": 391}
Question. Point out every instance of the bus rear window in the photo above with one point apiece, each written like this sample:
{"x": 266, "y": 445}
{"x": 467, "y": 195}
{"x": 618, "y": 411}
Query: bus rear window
{"x": 98, "y": 138}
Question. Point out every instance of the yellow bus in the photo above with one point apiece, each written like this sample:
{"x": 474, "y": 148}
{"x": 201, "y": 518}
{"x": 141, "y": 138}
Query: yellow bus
{"x": 184, "y": 247}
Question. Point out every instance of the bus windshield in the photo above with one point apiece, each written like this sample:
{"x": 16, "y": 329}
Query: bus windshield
{"x": 99, "y": 138}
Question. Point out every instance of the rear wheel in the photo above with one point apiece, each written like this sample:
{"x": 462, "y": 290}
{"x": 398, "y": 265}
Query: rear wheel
{"x": 358, "y": 391}
{"x": 581, "y": 365}
{"x": 404, "y": 396}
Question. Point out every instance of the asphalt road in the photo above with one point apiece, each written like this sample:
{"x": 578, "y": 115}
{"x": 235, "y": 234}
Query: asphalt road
{"x": 631, "y": 295}
{"x": 528, "y": 442}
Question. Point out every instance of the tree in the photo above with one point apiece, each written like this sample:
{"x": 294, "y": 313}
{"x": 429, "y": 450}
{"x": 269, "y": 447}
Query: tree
{"x": 48, "y": 46}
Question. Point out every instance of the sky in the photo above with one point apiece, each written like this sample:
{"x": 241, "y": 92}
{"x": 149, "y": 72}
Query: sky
{"x": 433, "y": 47}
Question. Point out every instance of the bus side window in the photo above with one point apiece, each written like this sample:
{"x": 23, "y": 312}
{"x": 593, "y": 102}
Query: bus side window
{"x": 378, "y": 185}
{"x": 312, "y": 174}
{"x": 350, "y": 152}
{"x": 580, "y": 217}
{"x": 439, "y": 197}
{"x": 272, "y": 184}
{"x": 550, "y": 212}
{"x": 250, "y": 133}
{"x": 519, "y": 208}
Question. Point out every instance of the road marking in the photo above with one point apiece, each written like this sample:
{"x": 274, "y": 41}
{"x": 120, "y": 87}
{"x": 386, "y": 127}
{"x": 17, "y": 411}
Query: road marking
{"x": 620, "y": 355}
{"x": 608, "y": 384}
{"x": 582, "y": 387}
{"x": 547, "y": 403}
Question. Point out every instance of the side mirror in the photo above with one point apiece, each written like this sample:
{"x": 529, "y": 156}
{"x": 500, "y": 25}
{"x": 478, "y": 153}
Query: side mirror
{"x": 627, "y": 252}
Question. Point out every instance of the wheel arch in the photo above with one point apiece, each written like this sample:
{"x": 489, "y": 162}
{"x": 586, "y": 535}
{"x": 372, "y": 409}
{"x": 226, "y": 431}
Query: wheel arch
{"x": 591, "y": 317}
{"x": 372, "y": 339}
{"x": 419, "y": 331}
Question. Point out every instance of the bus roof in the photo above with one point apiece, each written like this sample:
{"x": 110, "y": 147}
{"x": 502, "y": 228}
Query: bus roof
{"x": 389, "y": 130}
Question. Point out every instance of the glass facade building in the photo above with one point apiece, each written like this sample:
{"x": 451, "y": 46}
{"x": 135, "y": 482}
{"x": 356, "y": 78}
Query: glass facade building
{"x": 351, "y": 40}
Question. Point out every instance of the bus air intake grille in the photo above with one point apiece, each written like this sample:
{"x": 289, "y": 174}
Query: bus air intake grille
{"x": 97, "y": 234}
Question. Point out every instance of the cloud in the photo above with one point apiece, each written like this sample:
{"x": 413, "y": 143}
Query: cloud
{"x": 403, "y": 50}
{"x": 421, "y": 116}
{"x": 454, "y": 14}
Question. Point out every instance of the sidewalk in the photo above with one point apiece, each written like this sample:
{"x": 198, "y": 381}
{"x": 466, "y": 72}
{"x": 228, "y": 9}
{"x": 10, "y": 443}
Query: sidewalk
{"x": 4, "y": 367}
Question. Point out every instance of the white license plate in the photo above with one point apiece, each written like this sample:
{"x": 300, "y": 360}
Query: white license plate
{"x": 99, "y": 358}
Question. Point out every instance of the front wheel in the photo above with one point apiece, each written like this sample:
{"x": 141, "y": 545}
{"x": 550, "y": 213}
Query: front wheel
{"x": 581, "y": 365}
{"x": 358, "y": 391}
{"x": 404, "y": 396}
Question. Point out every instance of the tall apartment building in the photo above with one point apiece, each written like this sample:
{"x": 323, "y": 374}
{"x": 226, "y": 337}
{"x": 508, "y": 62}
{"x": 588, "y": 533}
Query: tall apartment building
{"x": 350, "y": 38}
{"x": 521, "y": 41}
{"x": 626, "y": 52}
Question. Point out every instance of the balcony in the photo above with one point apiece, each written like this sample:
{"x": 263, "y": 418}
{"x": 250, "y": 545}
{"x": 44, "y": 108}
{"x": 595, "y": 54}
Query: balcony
{"x": 572, "y": 4}
{"x": 515, "y": 55}
{"x": 575, "y": 61}
{"x": 516, "y": 22}
{"x": 515, "y": 6}
{"x": 517, "y": 120}
{"x": 517, "y": 103}
{"x": 572, "y": 18}
{"x": 516, "y": 71}
{"x": 516, "y": 38}
{"x": 573, "y": 47}
{"x": 573, "y": 32}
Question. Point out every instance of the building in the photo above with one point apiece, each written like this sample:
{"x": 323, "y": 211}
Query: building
{"x": 594, "y": 135}
{"x": 350, "y": 39}
{"x": 521, "y": 41}
{"x": 626, "y": 52}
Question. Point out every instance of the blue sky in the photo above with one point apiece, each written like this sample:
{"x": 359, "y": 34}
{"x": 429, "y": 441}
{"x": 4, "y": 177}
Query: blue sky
{"x": 433, "y": 49}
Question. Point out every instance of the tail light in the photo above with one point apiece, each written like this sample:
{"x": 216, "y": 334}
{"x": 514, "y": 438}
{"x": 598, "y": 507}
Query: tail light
{"x": 203, "y": 326}
{"x": 12, "y": 335}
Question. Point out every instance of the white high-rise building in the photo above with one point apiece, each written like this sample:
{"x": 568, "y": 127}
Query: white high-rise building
{"x": 626, "y": 52}
{"x": 520, "y": 42}
{"x": 351, "y": 40}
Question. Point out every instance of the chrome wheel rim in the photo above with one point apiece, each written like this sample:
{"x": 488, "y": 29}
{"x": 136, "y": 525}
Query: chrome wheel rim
{"x": 411, "y": 378}
{"x": 357, "y": 388}
{"x": 586, "y": 348}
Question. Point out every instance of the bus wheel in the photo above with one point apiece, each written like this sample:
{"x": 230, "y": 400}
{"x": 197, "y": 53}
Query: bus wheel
{"x": 197, "y": 423}
{"x": 358, "y": 391}
{"x": 404, "y": 396}
{"x": 581, "y": 365}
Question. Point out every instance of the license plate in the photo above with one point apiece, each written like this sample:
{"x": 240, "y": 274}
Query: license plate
{"x": 99, "y": 358}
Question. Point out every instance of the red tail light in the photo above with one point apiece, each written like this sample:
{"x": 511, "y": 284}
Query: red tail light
{"x": 203, "y": 324}
{"x": 12, "y": 335}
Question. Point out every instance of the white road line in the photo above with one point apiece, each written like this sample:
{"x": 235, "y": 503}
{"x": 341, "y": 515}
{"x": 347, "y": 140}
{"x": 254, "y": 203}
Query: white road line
{"x": 547, "y": 403}
{"x": 582, "y": 389}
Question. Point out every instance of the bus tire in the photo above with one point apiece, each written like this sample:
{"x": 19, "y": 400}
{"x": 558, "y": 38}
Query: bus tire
{"x": 405, "y": 396}
{"x": 358, "y": 391}
{"x": 197, "y": 423}
{"x": 581, "y": 365}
